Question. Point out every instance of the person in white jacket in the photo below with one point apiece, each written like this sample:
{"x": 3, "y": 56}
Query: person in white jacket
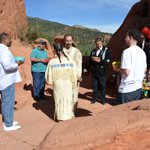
{"x": 72, "y": 52}
{"x": 9, "y": 74}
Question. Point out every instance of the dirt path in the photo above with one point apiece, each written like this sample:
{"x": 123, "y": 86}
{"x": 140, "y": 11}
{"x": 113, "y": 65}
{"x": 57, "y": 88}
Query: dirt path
{"x": 36, "y": 119}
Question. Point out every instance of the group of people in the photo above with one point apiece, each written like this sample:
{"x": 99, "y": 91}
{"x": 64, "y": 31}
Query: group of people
{"x": 133, "y": 69}
{"x": 64, "y": 72}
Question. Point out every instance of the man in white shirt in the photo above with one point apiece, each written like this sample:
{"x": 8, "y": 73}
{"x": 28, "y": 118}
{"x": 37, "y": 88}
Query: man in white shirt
{"x": 8, "y": 76}
{"x": 133, "y": 68}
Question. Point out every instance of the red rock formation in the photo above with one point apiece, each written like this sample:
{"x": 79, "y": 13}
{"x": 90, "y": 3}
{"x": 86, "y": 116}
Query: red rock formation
{"x": 12, "y": 16}
{"x": 138, "y": 17}
{"x": 123, "y": 127}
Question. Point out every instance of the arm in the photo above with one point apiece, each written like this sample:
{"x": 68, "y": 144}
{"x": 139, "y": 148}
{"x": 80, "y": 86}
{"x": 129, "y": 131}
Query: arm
{"x": 79, "y": 64}
{"x": 38, "y": 60}
{"x": 125, "y": 64}
{"x": 48, "y": 74}
{"x": 74, "y": 75}
{"x": 8, "y": 62}
{"x": 33, "y": 57}
{"x": 125, "y": 72}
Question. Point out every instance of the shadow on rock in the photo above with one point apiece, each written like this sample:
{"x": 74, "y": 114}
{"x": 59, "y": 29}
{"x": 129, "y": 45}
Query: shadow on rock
{"x": 112, "y": 101}
{"x": 82, "y": 113}
{"x": 28, "y": 87}
{"x": 46, "y": 105}
{"x": 86, "y": 96}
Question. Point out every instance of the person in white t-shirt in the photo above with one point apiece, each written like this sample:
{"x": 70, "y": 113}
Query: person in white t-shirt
{"x": 133, "y": 68}
{"x": 9, "y": 74}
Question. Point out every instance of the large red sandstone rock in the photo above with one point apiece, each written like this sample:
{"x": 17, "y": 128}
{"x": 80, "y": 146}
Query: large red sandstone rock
{"x": 138, "y": 17}
{"x": 122, "y": 127}
{"x": 12, "y": 16}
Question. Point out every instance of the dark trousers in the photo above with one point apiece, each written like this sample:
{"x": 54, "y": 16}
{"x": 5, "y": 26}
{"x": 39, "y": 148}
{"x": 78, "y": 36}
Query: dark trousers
{"x": 99, "y": 88}
{"x": 38, "y": 84}
{"x": 128, "y": 97}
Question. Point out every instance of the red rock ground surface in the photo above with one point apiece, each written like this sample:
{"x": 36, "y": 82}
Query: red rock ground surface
{"x": 96, "y": 127}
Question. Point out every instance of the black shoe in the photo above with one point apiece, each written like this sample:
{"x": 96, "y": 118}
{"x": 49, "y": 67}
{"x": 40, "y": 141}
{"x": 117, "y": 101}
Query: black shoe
{"x": 103, "y": 102}
{"x": 92, "y": 102}
{"x": 98, "y": 100}
{"x": 37, "y": 98}
{"x": 44, "y": 98}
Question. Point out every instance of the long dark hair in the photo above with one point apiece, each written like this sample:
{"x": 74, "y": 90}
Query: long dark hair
{"x": 59, "y": 48}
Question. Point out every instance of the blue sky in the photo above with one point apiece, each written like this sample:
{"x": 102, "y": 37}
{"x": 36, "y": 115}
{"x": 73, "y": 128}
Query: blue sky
{"x": 105, "y": 15}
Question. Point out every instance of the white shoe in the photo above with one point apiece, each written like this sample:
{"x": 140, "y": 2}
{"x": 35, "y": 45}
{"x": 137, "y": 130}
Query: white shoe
{"x": 14, "y": 123}
{"x": 13, "y": 127}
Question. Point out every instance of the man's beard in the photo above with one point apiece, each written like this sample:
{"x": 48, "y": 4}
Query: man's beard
{"x": 9, "y": 44}
{"x": 68, "y": 45}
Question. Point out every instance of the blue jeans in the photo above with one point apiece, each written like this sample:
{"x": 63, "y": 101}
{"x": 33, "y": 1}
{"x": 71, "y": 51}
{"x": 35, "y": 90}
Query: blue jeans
{"x": 8, "y": 97}
{"x": 131, "y": 96}
{"x": 38, "y": 84}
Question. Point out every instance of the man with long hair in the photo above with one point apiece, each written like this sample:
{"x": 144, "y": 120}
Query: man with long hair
{"x": 72, "y": 52}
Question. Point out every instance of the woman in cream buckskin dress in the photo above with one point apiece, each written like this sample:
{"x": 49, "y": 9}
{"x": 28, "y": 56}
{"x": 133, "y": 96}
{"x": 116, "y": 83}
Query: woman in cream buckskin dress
{"x": 61, "y": 72}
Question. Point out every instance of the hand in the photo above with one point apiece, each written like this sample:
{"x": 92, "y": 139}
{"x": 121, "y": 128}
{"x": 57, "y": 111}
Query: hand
{"x": 45, "y": 60}
{"x": 46, "y": 83}
{"x": 19, "y": 63}
{"x": 96, "y": 59}
{"x": 116, "y": 68}
{"x": 80, "y": 80}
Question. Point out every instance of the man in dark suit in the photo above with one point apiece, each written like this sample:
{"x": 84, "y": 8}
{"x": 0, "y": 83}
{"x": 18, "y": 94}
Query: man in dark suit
{"x": 99, "y": 59}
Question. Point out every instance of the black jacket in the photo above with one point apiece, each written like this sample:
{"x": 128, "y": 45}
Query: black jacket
{"x": 100, "y": 69}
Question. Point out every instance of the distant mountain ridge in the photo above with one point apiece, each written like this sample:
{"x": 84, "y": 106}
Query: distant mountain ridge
{"x": 84, "y": 36}
{"x": 83, "y": 27}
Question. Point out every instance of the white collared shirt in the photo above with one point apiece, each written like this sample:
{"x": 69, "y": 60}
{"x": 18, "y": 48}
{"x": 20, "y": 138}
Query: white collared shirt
{"x": 9, "y": 73}
{"x": 98, "y": 51}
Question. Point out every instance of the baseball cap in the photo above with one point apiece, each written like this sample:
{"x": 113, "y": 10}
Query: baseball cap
{"x": 42, "y": 42}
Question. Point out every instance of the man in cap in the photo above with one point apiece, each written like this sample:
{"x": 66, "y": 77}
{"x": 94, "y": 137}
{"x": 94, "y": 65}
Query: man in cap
{"x": 39, "y": 59}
